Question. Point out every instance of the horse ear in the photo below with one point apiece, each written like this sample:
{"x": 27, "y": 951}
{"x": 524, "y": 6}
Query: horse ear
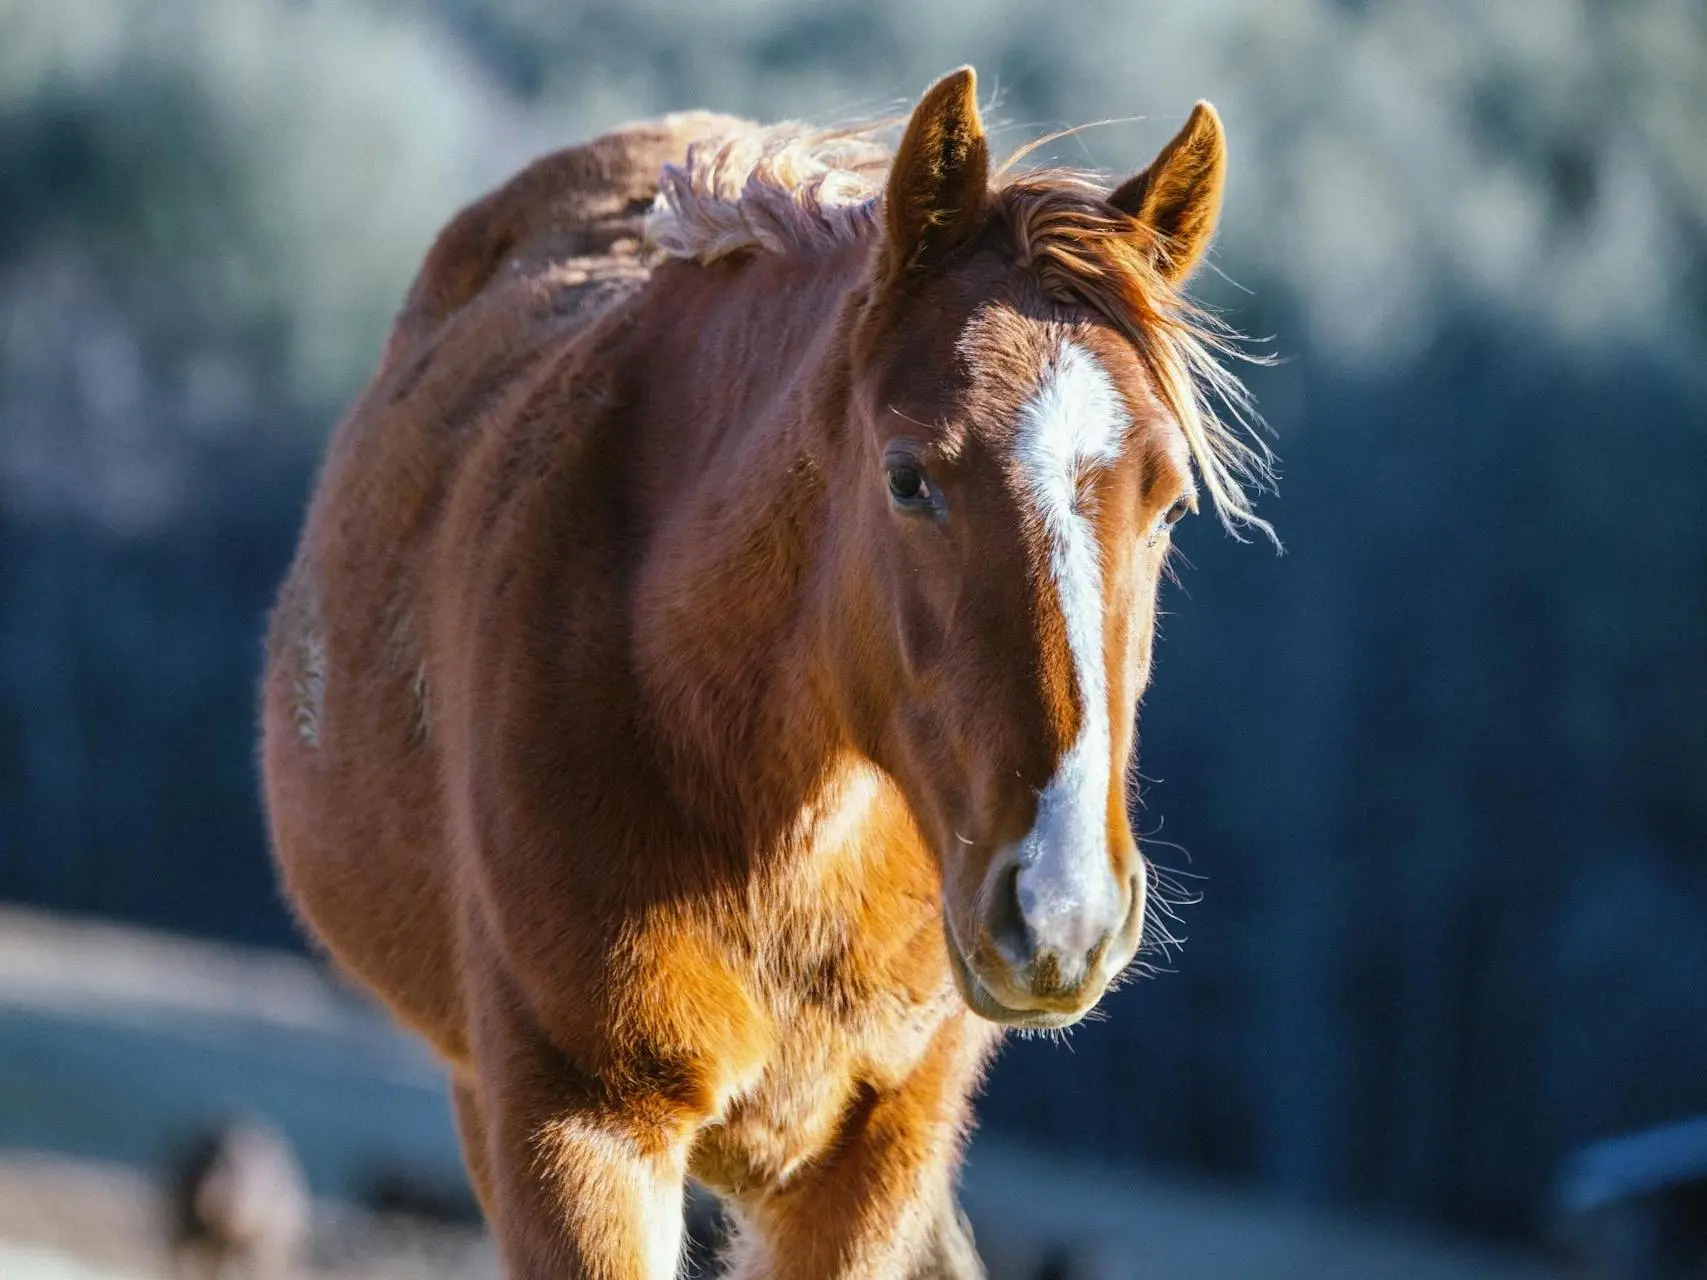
{"x": 939, "y": 180}
{"x": 1179, "y": 195}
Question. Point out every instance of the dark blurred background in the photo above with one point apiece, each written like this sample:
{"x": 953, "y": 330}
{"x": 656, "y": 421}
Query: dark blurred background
{"x": 1441, "y": 769}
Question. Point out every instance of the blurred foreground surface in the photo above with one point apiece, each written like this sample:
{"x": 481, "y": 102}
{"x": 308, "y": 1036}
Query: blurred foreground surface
{"x": 117, "y": 1045}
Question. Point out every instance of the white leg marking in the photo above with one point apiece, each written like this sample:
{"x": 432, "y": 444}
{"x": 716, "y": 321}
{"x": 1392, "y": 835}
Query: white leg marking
{"x": 610, "y": 1184}
{"x": 1075, "y": 423}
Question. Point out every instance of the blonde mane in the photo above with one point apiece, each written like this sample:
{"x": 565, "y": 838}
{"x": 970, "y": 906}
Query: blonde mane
{"x": 789, "y": 188}
{"x": 773, "y": 189}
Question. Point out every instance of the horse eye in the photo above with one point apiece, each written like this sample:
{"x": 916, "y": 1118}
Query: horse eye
{"x": 907, "y": 484}
{"x": 1178, "y": 511}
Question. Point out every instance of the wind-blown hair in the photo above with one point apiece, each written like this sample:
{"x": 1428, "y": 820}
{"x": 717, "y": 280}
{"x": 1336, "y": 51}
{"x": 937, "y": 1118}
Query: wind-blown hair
{"x": 789, "y": 188}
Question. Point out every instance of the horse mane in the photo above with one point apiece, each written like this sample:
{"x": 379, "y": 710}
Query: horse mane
{"x": 792, "y": 188}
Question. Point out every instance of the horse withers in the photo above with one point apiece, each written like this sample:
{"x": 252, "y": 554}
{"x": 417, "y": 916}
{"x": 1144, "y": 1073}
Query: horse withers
{"x": 702, "y": 701}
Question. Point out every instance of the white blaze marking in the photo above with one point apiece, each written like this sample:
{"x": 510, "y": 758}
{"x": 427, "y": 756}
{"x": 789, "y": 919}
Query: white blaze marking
{"x": 1076, "y": 422}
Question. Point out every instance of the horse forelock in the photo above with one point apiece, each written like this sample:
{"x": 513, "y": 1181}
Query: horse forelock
{"x": 790, "y": 188}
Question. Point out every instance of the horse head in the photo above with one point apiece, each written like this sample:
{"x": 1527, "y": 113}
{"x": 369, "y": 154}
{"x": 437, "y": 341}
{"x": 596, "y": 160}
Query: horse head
{"x": 1024, "y": 430}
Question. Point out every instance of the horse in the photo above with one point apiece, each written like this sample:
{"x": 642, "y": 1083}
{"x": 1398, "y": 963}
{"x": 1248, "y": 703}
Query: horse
{"x": 702, "y": 701}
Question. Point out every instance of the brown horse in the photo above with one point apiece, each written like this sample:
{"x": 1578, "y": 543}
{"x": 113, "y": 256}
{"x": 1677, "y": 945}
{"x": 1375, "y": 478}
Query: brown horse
{"x": 702, "y": 700}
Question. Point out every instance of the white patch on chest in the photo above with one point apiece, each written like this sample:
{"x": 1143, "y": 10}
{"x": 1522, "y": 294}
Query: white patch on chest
{"x": 1075, "y": 424}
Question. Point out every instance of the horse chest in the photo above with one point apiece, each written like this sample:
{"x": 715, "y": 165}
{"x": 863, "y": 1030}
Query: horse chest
{"x": 825, "y": 1062}
{"x": 846, "y": 1020}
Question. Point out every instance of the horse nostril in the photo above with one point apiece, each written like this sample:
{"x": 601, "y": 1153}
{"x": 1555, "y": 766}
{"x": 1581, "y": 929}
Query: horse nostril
{"x": 1051, "y": 932}
{"x": 1006, "y": 921}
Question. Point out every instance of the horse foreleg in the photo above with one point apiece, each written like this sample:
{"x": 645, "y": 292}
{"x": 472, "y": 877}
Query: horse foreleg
{"x": 577, "y": 1190}
{"x": 881, "y": 1205}
{"x": 951, "y": 1254}
{"x": 471, "y": 1128}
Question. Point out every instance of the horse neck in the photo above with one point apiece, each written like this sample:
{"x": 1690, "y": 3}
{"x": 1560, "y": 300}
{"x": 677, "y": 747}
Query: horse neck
{"x": 736, "y": 602}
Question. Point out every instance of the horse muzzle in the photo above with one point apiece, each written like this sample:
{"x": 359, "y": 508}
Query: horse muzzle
{"x": 1043, "y": 953}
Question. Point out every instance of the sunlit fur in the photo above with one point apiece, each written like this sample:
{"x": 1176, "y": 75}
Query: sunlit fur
{"x": 631, "y": 737}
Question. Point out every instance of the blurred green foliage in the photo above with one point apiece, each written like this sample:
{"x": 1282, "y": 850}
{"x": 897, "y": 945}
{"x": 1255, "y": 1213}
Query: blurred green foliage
{"x": 281, "y": 163}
